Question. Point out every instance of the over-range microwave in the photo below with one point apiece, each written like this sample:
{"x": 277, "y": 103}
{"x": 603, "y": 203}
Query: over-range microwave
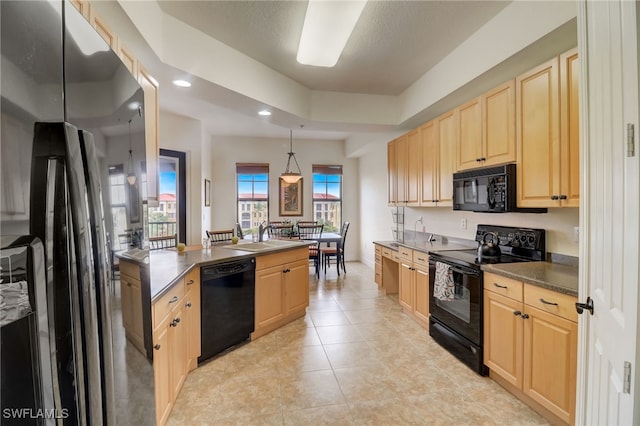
{"x": 490, "y": 190}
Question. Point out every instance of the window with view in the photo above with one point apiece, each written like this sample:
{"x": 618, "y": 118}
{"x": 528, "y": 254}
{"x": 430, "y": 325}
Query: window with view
{"x": 253, "y": 195}
{"x": 118, "y": 197}
{"x": 327, "y": 196}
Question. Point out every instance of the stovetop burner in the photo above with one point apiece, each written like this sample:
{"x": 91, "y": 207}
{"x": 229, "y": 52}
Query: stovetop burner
{"x": 516, "y": 245}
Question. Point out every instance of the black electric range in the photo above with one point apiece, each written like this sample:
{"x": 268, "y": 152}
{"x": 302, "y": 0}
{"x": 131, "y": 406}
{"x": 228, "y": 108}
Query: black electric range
{"x": 456, "y": 317}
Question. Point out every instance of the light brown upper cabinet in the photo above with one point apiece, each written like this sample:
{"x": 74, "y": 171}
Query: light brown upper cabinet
{"x": 392, "y": 173}
{"x": 547, "y": 134}
{"x": 103, "y": 29}
{"x": 439, "y": 139}
{"x": 402, "y": 152}
{"x": 151, "y": 133}
{"x": 487, "y": 129}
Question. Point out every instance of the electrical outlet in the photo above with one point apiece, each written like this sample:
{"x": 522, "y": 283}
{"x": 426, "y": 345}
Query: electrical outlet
{"x": 576, "y": 234}
{"x": 463, "y": 223}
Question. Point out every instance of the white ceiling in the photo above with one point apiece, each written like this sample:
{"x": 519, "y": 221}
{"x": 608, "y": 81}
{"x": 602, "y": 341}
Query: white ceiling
{"x": 393, "y": 45}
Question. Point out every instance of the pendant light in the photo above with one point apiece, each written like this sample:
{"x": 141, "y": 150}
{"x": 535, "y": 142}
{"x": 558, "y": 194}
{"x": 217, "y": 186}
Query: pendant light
{"x": 131, "y": 176}
{"x": 288, "y": 175}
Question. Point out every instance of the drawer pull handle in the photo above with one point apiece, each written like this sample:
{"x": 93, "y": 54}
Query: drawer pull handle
{"x": 421, "y": 259}
{"x": 174, "y": 299}
{"x": 156, "y": 347}
{"x": 190, "y": 282}
{"x": 525, "y": 316}
{"x": 500, "y": 286}
{"x": 548, "y": 303}
{"x": 516, "y": 313}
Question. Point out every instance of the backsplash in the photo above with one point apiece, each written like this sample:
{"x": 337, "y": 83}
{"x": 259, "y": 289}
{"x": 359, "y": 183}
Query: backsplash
{"x": 558, "y": 223}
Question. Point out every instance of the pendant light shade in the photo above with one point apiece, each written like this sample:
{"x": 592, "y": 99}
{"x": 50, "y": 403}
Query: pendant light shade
{"x": 289, "y": 175}
{"x": 131, "y": 176}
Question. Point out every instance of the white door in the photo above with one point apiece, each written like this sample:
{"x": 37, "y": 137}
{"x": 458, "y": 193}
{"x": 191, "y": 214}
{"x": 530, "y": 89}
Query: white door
{"x": 610, "y": 213}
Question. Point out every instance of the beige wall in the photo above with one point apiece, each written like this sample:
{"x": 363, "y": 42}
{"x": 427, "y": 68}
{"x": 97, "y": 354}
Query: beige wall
{"x": 226, "y": 151}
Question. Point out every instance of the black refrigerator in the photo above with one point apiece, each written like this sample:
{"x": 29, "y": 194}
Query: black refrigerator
{"x": 70, "y": 113}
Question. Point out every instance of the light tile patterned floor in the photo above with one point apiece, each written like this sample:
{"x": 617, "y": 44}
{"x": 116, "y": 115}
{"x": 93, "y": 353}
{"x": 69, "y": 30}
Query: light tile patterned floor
{"x": 355, "y": 358}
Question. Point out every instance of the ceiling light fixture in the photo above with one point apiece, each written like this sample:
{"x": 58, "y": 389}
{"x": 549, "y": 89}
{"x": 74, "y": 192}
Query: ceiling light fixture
{"x": 182, "y": 83}
{"x": 264, "y": 112}
{"x": 327, "y": 27}
{"x": 288, "y": 175}
{"x": 131, "y": 176}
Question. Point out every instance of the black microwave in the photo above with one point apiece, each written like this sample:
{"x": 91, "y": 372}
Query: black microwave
{"x": 491, "y": 190}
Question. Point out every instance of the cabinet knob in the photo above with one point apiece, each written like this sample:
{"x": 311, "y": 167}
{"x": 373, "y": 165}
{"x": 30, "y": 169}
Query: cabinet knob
{"x": 525, "y": 316}
{"x": 286, "y": 270}
{"x": 563, "y": 197}
{"x": 188, "y": 305}
{"x": 555, "y": 197}
{"x": 175, "y": 322}
{"x": 516, "y": 313}
{"x": 128, "y": 284}
{"x": 190, "y": 282}
{"x": 156, "y": 346}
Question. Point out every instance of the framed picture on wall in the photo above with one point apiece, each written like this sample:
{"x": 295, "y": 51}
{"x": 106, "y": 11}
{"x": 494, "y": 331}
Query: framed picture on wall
{"x": 290, "y": 198}
{"x": 207, "y": 192}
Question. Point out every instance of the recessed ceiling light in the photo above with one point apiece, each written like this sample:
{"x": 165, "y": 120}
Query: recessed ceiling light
{"x": 326, "y": 30}
{"x": 182, "y": 83}
{"x": 264, "y": 112}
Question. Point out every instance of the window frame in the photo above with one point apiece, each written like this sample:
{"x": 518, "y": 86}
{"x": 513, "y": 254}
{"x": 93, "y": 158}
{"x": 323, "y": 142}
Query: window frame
{"x": 252, "y": 169}
{"x": 321, "y": 214}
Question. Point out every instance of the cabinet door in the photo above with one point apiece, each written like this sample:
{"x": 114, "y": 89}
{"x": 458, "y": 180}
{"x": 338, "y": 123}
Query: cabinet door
{"x": 499, "y": 140}
{"x": 103, "y": 29}
{"x": 192, "y": 320}
{"x": 402, "y": 155}
{"x": 151, "y": 121}
{"x": 422, "y": 294}
{"x": 161, "y": 373}
{"x": 569, "y": 129}
{"x": 125, "y": 301}
{"x": 429, "y": 138}
{"x": 407, "y": 277}
{"x": 137, "y": 326}
{"x": 414, "y": 167}
{"x": 447, "y": 140}
{"x": 296, "y": 286}
{"x": 503, "y": 337}
{"x": 392, "y": 173}
{"x": 269, "y": 300}
{"x": 550, "y": 353}
{"x": 537, "y": 135}
{"x": 469, "y": 151}
{"x": 178, "y": 350}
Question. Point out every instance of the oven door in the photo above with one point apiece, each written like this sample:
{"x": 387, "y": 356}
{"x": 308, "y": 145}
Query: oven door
{"x": 461, "y": 311}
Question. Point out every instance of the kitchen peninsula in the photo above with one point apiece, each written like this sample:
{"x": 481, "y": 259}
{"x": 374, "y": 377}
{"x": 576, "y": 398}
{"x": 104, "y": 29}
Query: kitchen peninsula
{"x": 162, "y": 310}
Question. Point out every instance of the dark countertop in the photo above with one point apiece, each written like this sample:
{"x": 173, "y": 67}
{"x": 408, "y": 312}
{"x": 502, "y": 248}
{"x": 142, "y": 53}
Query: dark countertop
{"x": 439, "y": 244}
{"x": 168, "y": 266}
{"x": 553, "y": 276}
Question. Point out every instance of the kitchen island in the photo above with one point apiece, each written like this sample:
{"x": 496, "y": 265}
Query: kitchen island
{"x": 162, "y": 303}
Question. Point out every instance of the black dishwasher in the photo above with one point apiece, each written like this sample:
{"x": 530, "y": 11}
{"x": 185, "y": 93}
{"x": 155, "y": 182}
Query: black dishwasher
{"x": 227, "y": 305}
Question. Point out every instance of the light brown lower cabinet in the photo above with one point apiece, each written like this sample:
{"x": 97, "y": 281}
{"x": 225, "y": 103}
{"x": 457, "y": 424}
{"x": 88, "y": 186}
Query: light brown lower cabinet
{"x": 282, "y": 289}
{"x": 530, "y": 344}
{"x": 176, "y": 341}
{"x": 414, "y": 285}
{"x": 131, "y": 303}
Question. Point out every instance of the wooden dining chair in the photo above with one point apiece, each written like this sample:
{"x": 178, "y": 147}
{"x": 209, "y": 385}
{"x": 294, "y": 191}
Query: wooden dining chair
{"x": 220, "y": 236}
{"x": 312, "y": 233}
{"x": 280, "y": 232}
{"x": 326, "y": 253}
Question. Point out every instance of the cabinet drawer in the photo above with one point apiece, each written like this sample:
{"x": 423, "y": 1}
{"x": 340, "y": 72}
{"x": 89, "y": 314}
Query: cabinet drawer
{"x": 405, "y": 254}
{"x": 192, "y": 277}
{"x": 395, "y": 256}
{"x": 162, "y": 307}
{"x": 551, "y": 301}
{"x": 502, "y": 285}
{"x": 289, "y": 256}
{"x": 421, "y": 259}
{"x": 387, "y": 252}
{"x": 378, "y": 259}
{"x": 378, "y": 249}
{"x": 130, "y": 269}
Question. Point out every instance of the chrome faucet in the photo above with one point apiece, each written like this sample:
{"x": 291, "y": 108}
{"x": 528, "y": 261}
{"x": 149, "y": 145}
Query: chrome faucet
{"x": 430, "y": 238}
{"x": 261, "y": 230}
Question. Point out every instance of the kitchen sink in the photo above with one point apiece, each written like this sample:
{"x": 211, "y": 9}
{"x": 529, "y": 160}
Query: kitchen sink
{"x": 263, "y": 245}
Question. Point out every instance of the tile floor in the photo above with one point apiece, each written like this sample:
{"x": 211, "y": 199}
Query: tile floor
{"x": 355, "y": 358}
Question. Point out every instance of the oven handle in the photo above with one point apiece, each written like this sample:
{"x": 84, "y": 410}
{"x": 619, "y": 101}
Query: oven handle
{"x": 460, "y": 269}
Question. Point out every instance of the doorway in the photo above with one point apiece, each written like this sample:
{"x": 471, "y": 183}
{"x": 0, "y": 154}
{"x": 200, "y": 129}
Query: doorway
{"x": 169, "y": 216}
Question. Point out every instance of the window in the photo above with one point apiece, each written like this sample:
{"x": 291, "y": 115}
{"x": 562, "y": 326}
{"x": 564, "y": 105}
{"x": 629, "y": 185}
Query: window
{"x": 118, "y": 197}
{"x": 327, "y": 196}
{"x": 253, "y": 195}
